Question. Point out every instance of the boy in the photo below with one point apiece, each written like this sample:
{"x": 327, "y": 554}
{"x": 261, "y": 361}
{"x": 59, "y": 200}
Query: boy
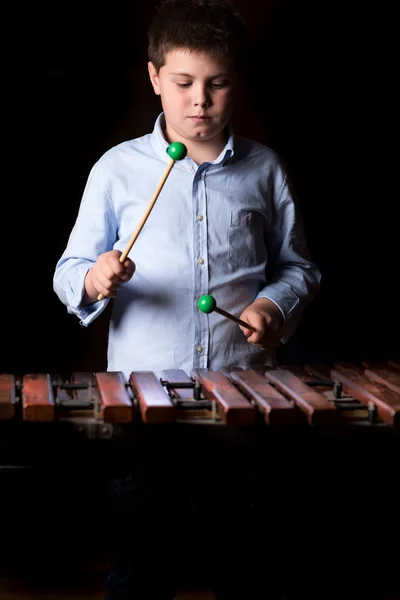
{"x": 225, "y": 224}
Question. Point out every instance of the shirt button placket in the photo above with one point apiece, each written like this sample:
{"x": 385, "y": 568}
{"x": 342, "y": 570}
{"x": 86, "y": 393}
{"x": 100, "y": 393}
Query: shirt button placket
{"x": 202, "y": 270}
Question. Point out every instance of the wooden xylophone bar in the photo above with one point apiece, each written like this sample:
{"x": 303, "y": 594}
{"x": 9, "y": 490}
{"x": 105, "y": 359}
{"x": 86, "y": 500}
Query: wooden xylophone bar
{"x": 314, "y": 394}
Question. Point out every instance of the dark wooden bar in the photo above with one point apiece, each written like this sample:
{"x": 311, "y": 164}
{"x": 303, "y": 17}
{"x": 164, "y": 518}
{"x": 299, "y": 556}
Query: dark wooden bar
{"x": 191, "y": 404}
{"x": 154, "y": 403}
{"x": 7, "y": 396}
{"x": 88, "y": 393}
{"x": 232, "y": 407}
{"x": 116, "y": 405}
{"x": 277, "y": 409}
{"x": 383, "y": 373}
{"x": 37, "y": 398}
{"x": 316, "y": 407}
{"x": 356, "y": 383}
{"x": 179, "y": 376}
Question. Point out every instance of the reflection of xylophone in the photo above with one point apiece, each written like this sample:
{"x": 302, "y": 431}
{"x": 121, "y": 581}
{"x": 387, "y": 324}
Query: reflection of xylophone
{"x": 321, "y": 395}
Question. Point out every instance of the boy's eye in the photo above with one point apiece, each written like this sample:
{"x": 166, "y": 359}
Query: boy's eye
{"x": 212, "y": 85}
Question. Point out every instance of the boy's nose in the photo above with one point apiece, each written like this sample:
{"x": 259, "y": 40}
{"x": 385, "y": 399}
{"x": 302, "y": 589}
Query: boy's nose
{"x": 201, "y": 98}
{"x": 203, "y": 103}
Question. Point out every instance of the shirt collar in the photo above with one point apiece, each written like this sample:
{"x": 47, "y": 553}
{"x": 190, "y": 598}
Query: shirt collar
{"x": 161, "y": 145}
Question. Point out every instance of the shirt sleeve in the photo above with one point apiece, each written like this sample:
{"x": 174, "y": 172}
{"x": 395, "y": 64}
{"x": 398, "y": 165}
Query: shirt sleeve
{"x": 293, "y": 279}
{"x": 94, "y": 232}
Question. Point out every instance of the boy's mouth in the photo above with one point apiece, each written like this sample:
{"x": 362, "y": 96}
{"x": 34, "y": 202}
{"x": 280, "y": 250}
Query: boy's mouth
{"x": 199, "y": 118}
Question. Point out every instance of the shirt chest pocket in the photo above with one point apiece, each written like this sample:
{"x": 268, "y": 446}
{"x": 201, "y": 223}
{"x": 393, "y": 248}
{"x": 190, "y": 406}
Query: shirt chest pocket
{"x": 246, "y": 245}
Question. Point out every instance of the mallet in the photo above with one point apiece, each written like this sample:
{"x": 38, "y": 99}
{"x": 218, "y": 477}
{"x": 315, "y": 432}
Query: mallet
{"x": 176, "y": 151}
{"x": 208, "y": 304}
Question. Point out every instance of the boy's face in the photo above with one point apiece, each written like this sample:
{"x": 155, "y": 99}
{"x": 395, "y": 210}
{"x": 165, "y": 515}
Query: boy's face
{"x": 197, "y": 94}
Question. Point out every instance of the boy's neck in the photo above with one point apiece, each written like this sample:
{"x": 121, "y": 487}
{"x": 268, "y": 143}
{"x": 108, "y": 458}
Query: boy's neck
{"x": 202, "y": 152}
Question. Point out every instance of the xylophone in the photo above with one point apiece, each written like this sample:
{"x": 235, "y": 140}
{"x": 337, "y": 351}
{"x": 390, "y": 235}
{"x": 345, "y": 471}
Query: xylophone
{"x": 337, "y": 395}
{"x": 276, "y": 428}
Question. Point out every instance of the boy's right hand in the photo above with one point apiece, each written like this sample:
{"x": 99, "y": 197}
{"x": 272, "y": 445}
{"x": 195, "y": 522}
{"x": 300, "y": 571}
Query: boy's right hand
{"x": 107, "y": 275}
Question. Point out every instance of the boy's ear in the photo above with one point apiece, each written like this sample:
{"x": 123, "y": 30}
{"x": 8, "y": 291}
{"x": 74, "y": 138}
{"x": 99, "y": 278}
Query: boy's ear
{"x": 154, "y": 78}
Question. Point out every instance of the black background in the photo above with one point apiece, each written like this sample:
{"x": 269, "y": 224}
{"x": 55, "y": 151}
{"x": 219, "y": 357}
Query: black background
{"x": 318, "y": 92}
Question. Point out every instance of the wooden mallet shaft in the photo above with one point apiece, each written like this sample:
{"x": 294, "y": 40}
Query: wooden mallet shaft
{"x": 208, "y": 304}
{"x": 176, "y": 151}
{"x": 233, "y": 318}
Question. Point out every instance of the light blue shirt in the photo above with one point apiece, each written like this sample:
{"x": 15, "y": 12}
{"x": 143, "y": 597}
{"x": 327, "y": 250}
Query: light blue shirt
{"x": 229, "y": 228}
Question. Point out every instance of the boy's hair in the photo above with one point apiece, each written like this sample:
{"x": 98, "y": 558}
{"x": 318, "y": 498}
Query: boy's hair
{"x": 212, "y": 26}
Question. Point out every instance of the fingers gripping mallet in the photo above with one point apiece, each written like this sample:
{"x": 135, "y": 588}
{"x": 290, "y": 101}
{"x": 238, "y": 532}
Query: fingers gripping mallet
{"x": 176, "y": 151}
{"x": 208, "y": 304}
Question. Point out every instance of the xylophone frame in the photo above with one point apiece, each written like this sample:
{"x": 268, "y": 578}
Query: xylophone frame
{"x": 339, "y": 396}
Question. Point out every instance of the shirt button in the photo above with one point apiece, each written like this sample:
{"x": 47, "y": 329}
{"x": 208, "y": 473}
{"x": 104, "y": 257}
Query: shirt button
{"x": 200, "y": 261}
{"x": 199, "y": 217}
{"x": 199, "y": 349}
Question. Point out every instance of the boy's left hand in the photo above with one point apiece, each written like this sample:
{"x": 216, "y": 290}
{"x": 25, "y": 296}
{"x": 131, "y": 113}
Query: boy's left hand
{"x": 267, "y": 319}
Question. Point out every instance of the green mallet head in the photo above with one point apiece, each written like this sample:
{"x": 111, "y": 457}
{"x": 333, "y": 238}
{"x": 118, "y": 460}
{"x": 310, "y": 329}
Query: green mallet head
{"x": 206, "y": 304}
{"x": 177, "y": 151}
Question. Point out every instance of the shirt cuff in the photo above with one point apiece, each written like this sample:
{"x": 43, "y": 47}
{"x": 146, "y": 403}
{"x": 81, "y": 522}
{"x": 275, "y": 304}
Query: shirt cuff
{"x": 86, "y": 313}
{"x": 289, "y": 305}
